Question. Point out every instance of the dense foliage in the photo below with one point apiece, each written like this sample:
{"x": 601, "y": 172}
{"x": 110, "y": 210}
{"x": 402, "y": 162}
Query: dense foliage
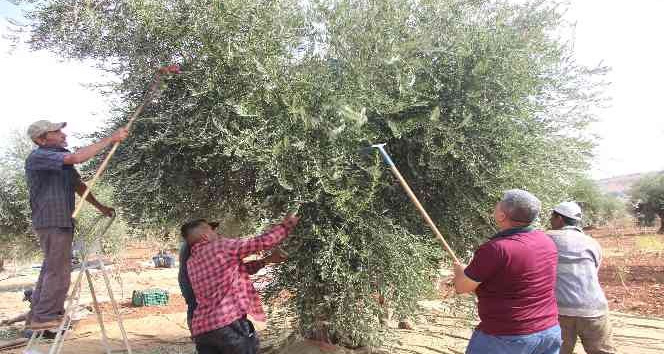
{"x": 647, "y": 196}
{"x": 277, "y": 98}
{"x": 16, "y": 239}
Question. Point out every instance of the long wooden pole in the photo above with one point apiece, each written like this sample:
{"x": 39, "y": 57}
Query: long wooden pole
{"x": 137, "y": 112}
{"x": 413, "y": 198}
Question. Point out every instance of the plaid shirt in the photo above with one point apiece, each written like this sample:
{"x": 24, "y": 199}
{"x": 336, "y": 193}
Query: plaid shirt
{"x": 220, "y": 281}
{"x": 251, "y": 267}
{"x": 52, "y": 186}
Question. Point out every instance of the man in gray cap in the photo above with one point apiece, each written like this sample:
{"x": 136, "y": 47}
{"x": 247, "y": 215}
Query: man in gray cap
{"x": 52, "y": 181}
{"x": 581, "y": 302}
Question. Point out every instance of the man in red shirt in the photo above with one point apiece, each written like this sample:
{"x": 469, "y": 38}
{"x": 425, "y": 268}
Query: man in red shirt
{"x": 514, "y": 277}
{"x": 224, "y": 293}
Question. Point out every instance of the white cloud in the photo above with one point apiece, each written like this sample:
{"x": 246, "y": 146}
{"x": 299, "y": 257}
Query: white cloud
{"x": 627, "y": 37}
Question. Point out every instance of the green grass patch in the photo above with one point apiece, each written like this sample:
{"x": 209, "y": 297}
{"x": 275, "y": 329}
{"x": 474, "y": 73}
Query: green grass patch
{"x": 651, "y": 243}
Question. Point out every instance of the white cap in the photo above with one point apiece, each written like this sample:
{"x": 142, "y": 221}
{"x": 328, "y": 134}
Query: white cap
{"x": 569, "y": 209}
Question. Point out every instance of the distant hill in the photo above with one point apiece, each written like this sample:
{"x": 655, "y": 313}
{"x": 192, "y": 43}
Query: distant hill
{"x": 620, "y": 185}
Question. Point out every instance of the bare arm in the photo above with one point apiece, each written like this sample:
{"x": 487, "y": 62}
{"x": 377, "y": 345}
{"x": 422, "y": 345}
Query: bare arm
{"x": 86, "y": 153}
{"x": 463, "y": 284}
{"x": 81, "y": 188}
{"x": 252, "y": 267}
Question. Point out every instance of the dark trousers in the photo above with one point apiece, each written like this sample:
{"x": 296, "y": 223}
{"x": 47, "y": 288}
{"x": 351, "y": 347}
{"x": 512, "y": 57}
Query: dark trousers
{"x": 49, "y": 296}
{"x": 238, "y": 337}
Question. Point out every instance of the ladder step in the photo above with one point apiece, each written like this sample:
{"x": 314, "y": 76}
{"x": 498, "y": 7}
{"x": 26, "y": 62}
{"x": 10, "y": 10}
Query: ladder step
{"x": 73, "y": 301}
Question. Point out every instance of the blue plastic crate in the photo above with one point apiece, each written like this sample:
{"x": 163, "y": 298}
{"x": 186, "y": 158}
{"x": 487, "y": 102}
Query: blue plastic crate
{"x": 164, "y": 261}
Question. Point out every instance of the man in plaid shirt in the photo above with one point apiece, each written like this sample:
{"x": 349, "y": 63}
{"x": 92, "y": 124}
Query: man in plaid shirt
{"x": 223, "y": 291}
{"x": 251, "y": 267}
{"x": 52, "y": 181}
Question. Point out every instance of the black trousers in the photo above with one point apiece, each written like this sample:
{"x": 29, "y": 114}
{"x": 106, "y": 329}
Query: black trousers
{"x": 238, "y": 337}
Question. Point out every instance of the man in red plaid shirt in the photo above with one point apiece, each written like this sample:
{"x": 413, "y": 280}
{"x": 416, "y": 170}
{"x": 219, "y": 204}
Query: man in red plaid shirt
{"x": 224, "y": 292}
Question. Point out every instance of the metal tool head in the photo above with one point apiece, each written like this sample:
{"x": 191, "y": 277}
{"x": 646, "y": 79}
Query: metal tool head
{"x": 366, "y": 151}
{"x": 381, "y": 149}
{"x": 367, "y": 148}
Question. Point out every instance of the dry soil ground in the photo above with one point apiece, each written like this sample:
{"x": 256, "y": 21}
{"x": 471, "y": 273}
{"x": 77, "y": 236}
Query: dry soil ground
{"x": 632, "y": 276}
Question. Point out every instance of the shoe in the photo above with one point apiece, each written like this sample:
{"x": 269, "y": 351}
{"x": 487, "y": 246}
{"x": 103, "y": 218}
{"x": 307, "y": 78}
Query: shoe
{"x": 48, "y": 334}
{"x": 40, "y": 326}
{"x": 405, "y": 324}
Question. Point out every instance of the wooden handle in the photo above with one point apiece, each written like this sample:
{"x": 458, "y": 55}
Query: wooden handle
{"x": 424, "y": 213}
{"x": 148, "y": 95}
{"x": 94, "y": 180}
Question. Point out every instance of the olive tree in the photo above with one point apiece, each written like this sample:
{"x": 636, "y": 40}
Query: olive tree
{"x": 16, "y": 238}
{"x": 598, "y": 207}
{"x": 278, "y": 98}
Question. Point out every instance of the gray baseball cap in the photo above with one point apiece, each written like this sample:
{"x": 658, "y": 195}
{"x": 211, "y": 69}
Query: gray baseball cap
{"x": 42, "y": 127}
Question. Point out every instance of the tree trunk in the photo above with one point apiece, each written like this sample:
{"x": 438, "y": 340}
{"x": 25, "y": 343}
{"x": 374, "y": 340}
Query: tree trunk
{"x": 661, "y": 223}
{"x": 2, "y": 265}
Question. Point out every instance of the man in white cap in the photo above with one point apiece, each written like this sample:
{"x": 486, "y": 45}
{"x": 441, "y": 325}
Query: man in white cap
{"x": 583, "y": 309}
{"x": 52, "y": 181}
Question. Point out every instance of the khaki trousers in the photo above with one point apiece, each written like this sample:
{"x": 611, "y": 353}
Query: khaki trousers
{"x": 595, "y": 334}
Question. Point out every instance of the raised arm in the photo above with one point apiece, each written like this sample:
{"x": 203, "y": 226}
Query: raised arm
{"x": 265, "y": 241}
{"x": 86, "y": 153}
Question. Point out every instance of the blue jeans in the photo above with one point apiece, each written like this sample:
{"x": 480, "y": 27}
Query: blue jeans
{"x": 547, "y": 341}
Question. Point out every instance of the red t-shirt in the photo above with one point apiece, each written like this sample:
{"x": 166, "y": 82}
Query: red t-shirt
{"x": 517, "y": 272}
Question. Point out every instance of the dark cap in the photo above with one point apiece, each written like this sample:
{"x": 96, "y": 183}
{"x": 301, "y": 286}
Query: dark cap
{"x": 186, "y": 228}
{"x": 27, "y": 295}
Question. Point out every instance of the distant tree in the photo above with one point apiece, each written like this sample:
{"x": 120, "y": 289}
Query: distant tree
{"x": 599, "y": 208}
{"x": 647, "y": 196}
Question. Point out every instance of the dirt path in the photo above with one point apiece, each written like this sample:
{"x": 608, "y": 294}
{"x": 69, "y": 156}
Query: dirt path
{"x": 437, "y": 332}
{"x": 632, "y": 278}
{"x": 637, "y": 334}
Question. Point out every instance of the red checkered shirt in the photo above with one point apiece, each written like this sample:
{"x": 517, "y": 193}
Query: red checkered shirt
{"x": 221, "y": 283}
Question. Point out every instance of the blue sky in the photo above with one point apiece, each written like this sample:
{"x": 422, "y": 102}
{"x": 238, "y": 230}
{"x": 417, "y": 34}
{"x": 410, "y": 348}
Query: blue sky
{"x": 624, "y": 35}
